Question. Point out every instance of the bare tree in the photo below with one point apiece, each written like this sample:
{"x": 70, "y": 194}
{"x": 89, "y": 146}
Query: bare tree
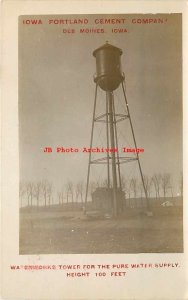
{"x": 30, "y": 192}
{"x": 22, "y": 191}
{"x": 124, "y": 187}
{"x": 49, "y": 193}
{"x": 37, "y": 191}
{"x": 171, "y": 190}
{"x": 76, "y": 193}
{"x": 156, "y": 180}
{"x": 27, "y": 193}
{"x": 70, "y": 190}
{"x": 133, "y": 186}
{"x": 60, "y": 196}
{"x": 147, "y": 184}
{"x": 44, "y": 187}
{"x": 165, "y": 183}
{"x": 141, "y": 189}
{"x": 79, "y": 190}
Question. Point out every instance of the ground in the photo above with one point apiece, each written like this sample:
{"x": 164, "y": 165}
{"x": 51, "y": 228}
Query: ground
{"x": 58, "y": 232}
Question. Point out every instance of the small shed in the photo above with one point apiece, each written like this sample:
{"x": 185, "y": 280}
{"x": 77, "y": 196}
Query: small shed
{"x": 102, "y": 199}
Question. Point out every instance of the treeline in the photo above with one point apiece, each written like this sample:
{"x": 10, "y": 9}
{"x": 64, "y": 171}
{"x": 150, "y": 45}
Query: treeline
{"x": 43, "y": 193}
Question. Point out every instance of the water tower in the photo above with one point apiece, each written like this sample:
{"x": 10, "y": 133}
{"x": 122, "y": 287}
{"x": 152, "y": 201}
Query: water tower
{"x": 110, "y": 77}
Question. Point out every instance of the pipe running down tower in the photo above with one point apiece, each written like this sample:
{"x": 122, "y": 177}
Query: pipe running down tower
{"x": 109, "y": 77}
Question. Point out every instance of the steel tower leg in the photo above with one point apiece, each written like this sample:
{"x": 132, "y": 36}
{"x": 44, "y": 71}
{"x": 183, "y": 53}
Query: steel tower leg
{"x": 112, "y": 140}
{"x": 116, "y": 137}
{"x": 107, "y": 142}
{"x": 134, "y": 139}
{"x": 91, "y": 142}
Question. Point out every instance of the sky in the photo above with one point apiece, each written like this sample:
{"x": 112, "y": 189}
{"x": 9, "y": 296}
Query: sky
{"x": 56, "y": 91}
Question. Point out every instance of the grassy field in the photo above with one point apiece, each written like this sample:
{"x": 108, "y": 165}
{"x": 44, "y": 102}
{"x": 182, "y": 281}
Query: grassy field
{"x": 57, "y": 232}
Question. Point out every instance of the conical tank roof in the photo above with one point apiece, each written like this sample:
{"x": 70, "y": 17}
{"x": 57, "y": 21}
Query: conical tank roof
{"x": 107, "y": 46}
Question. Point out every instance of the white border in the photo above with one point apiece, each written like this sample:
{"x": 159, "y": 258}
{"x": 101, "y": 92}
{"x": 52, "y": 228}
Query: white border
{"x": 48, "y": 285}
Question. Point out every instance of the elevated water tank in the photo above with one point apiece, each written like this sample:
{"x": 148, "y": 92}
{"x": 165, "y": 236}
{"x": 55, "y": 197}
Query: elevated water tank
{"x": 108, "y": 64}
